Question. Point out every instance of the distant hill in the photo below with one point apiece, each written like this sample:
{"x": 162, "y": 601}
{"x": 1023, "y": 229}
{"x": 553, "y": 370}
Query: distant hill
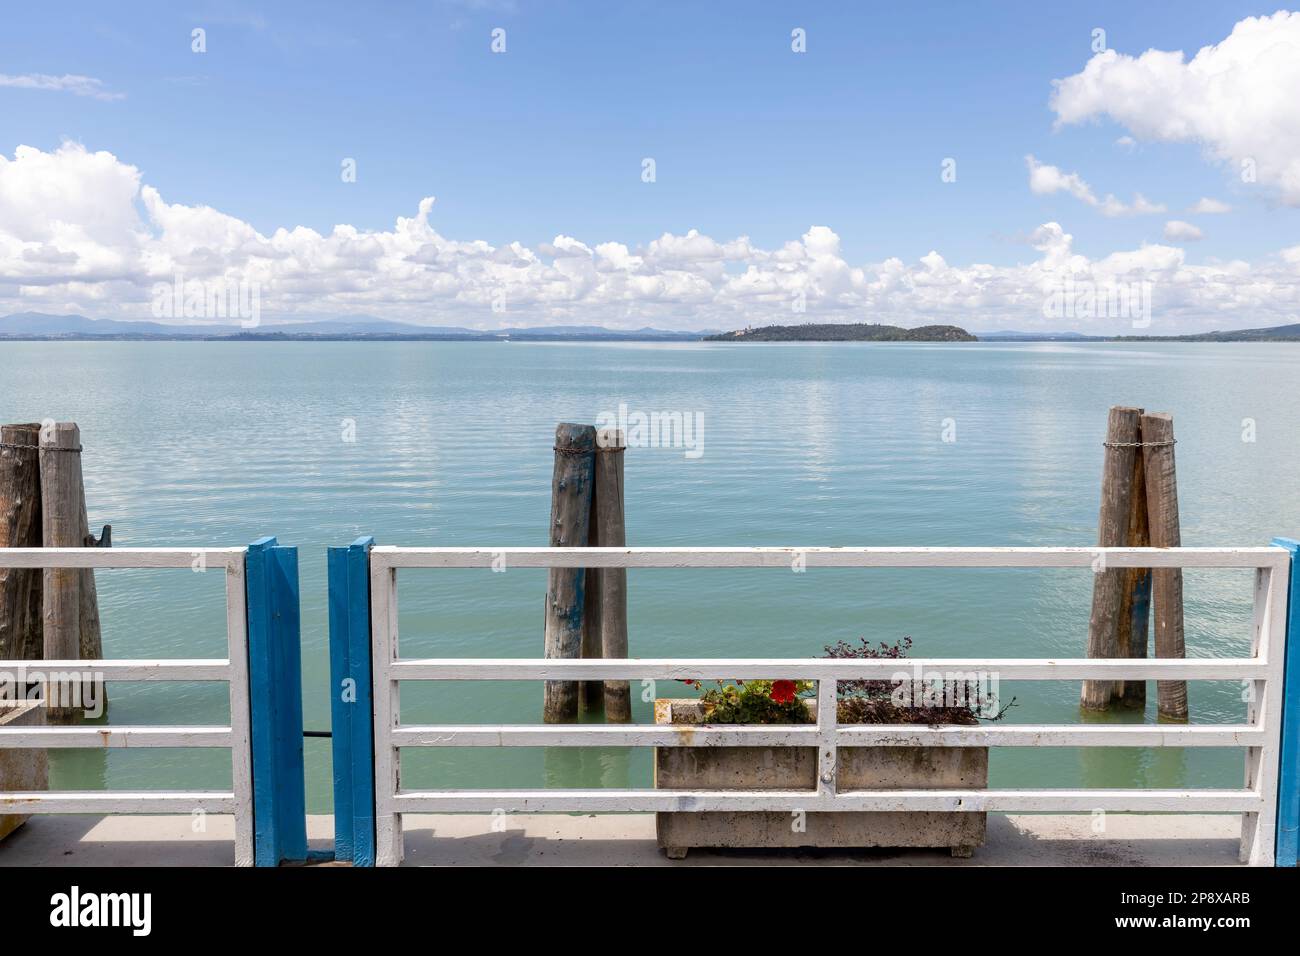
{"x": 41, "y": 326}
{"x": 1278, "y": 333}
{"x": 844, "y": 332}
{"x": 38, "y": 325}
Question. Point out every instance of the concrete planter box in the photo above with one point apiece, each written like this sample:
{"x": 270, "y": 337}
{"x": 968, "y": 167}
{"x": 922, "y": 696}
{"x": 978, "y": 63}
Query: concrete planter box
{"x": 795, "y": 768}
{"x": 21, "y": 769}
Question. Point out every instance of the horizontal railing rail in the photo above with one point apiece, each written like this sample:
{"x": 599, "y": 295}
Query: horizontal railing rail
{"x": 758, "y": 557}
{"x": 788, "y": 801}
{"x": 231, "y": 669}
{"x": 458, "y": 668}
{"x": 1262, "y": 672}
{"x": 873, "y": 735}
{"x": 121, "y": 557}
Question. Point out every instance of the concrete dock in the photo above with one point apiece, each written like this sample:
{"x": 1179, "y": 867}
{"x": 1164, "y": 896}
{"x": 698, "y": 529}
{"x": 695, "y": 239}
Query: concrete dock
{"x": 629, "y": 840}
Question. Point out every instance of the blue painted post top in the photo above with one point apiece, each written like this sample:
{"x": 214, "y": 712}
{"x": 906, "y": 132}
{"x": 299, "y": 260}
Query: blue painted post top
{"x": 351, "y": 714}
{"x": 275, "y": 703}
{"x": 1287, "y": 847}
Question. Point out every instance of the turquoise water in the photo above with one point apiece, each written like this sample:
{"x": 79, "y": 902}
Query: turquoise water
{"x": 220, "y": 443}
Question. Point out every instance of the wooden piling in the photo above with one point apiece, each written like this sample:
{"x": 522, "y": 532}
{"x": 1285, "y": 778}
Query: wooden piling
{"x": 1135, "y": 608}
{"x": 91, "y": 643}
{"x": 71, "y": 612}
{"x": 20, "y": 527}
{"x": 61, "y": 528}
{"x": 591, "y": 693}
{"x": 1122, "y": 436}
{"x": 1167, "y": 583}
{"x": 611, "y": 532}
{"x": 571, "y": 488}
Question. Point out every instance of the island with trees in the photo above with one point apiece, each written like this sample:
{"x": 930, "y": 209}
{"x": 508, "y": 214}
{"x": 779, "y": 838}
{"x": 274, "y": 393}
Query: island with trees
{"x": 843, "y": 332}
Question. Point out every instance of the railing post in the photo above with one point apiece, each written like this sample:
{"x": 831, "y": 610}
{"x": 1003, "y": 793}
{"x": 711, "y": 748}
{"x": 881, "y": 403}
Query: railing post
{"x": 1288, "y": 790}
{"x": 275, "y": 704}
{"x": 351, "y": 715}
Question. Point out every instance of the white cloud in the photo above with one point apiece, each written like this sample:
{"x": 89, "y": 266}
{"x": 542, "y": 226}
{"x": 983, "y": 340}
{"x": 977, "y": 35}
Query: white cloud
{"x": 81, "y": 232}
{"x": 1141, "y": 207}
{"x": 1208, "y": 207}
{"x": 1178, "y": 231}
{"x": 1045, "y": 180}
{"x": 1236, "y": 98}
{"x": 68, "y": 83}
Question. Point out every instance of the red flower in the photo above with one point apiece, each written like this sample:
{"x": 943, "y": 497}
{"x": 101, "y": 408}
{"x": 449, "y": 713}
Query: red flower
{"x": 782, "y": 691}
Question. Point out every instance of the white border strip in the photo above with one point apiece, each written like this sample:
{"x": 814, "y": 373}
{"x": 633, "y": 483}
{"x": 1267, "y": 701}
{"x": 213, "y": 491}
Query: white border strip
{"x": 821, "y": 669}
{"x": 119, "y": 557}
{"x": 975, "y": 801}
{"x": 109, "y": 736}
{"x": 807, "y": 735}
{"x": 389, "y": 556}
{"x": 118, "y": 801}
{"x": 198, "y": 669}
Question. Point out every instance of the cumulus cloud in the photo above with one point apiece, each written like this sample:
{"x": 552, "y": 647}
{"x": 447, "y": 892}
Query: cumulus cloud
{"x": 1237, "y": 99}
{"x": 1208, "y": 207}
{"x": 68, "y": 83}
{"x": 1178, "y": 231}
{"x": 81, "y": 231}
{"x": 1045, "y": 180}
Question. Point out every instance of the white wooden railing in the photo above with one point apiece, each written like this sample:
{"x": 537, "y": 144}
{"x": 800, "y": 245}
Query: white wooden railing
{"x": 1261, "y": 672}
{"x": 233, "y": 669}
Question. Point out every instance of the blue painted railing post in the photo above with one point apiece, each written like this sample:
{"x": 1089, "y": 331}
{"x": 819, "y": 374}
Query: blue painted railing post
{"x": 350, "y": 711}
{"x": 275, "y": 703}
{"x": 1288, "y": 787}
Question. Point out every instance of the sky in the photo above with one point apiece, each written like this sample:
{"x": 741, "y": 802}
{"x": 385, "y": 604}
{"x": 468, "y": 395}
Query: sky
{"x": 680, "y": 165}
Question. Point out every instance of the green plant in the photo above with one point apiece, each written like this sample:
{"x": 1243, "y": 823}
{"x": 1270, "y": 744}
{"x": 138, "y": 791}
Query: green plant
{"x": 934, "y": 700}
{"x": 755, "y": 701}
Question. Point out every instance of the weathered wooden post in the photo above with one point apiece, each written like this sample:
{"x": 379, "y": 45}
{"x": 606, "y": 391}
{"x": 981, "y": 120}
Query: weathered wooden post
{"x": 611, "y": 532}
{"x": 1135, "y": 608}
{"x": 571, "y": 487}
{"x": 20, "y": 527}
{"x": 1122, "y": 437}
{"x": 61, "y": 528}
{"x": 71, "y": 613}
{"x": 591, "y": 693}
{"x": 92, "y": 640}
{"x": 1167, "y": 583}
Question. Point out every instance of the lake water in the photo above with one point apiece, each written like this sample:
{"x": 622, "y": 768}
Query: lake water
{"x": 219, "y": 443}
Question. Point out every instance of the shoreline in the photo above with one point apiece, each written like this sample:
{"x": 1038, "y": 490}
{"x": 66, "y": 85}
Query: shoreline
{"x": 654, "y": 340}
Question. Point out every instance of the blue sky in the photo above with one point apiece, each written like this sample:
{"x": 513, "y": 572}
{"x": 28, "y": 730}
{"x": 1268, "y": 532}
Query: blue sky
{"x": 749, "y": 138}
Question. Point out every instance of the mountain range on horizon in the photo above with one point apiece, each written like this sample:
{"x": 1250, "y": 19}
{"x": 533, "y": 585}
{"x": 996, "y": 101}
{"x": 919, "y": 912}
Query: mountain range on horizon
{"x": 43, "y": 325}
{"x": 40, "y": 325}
